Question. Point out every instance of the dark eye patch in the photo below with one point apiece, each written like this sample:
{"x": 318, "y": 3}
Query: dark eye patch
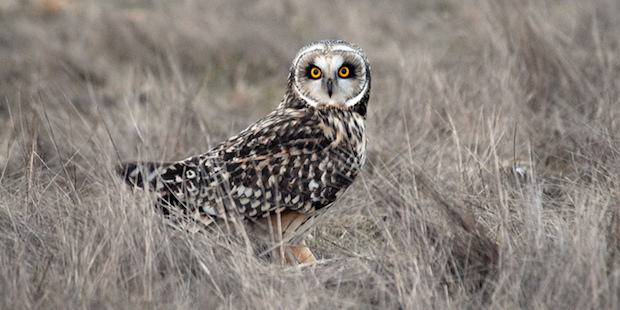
{"x": 352, "y": 70}
{"x": 311, "y": 72}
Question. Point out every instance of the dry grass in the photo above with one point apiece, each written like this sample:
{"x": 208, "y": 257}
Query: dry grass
{"x": 464, "y": 92}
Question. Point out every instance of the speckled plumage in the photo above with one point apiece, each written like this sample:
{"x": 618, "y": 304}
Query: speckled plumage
{"x": 286, "y": 168}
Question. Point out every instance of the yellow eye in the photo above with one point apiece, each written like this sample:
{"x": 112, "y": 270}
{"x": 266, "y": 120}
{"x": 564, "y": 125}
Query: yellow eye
{"x": 315, "y": 73}
{"x": 344, "y": 71}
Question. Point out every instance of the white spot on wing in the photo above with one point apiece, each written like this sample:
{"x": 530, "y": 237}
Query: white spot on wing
{"x": 151, "y": 175}
{"x": 248, "y": 192}
{"x": 134, "y": 172}
{"x": 312, "y": 185}
{"x": 295, "y": 200}
{"x": 209, "y": 210}
{"x": 240, "y": 190}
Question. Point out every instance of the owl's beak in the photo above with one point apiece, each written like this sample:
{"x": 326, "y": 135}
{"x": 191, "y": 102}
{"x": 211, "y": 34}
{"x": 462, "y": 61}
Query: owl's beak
{"x": 330, "y": 87}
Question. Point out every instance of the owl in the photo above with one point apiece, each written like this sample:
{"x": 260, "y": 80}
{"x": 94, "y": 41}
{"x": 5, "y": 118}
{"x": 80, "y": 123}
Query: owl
{"x": 272, "y": 181}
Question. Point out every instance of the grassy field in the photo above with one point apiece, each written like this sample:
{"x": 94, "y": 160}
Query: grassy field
{"x": 492, "y": 178}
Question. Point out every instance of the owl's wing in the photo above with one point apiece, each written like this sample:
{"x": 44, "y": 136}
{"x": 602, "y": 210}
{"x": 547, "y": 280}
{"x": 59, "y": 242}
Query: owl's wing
{"x": 284, "y": 161}
{"x": 185, "y": 184}
{"x": 289, "y": 163}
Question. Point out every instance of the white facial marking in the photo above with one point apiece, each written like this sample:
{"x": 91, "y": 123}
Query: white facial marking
{"x": 329, "y": 64}
{"x": 351, "y": 102}
{"x": 316, "y": 48}
{"x": 314, "y": 91}
{"x": 344, "y": 48}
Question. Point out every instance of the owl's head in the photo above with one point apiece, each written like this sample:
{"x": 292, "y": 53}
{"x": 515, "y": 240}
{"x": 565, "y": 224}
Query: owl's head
{"x": 331, "y": 74}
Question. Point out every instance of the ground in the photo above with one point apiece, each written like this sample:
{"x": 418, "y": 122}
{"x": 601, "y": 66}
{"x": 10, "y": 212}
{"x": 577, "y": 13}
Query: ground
{"x": 491, "y": 179}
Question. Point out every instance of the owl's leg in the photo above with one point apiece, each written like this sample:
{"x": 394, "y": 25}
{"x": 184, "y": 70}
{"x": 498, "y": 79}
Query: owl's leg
{"x": 287, "y": 226}
{"x": 293, "y": 255}
{"x": 303, "y": 254}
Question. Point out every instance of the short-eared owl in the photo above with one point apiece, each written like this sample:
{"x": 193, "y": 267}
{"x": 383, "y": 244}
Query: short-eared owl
{"x": 274, "y": 178}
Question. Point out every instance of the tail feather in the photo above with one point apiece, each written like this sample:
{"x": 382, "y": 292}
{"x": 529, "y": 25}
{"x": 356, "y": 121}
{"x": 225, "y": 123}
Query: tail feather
{"x": 137, "y": 173}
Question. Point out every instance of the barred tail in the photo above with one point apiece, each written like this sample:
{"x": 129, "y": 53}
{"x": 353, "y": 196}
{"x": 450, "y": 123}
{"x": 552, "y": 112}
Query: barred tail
{"x": 137, "y": 173}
